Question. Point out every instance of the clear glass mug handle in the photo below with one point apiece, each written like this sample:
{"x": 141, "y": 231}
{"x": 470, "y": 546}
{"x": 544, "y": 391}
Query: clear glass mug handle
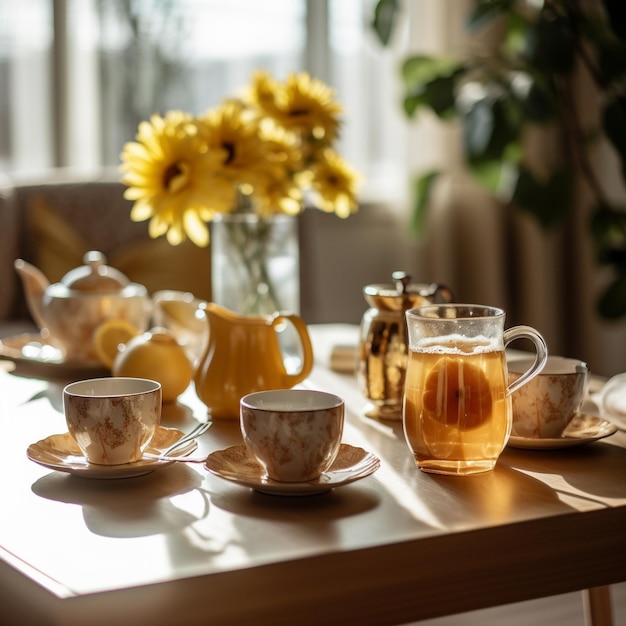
{"x": 541, "y": 355}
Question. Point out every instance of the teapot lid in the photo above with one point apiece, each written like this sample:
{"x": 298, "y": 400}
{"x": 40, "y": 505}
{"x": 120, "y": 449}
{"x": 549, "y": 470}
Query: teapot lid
{"x": 95, "y": 275}
{"x": 403, "y": 295}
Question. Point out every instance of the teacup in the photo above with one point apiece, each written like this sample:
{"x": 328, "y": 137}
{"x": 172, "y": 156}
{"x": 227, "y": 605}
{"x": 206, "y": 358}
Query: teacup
{"x": 545, "y": 405}
{"x": 112, "y": 419}
{"x": 295, "y": 434}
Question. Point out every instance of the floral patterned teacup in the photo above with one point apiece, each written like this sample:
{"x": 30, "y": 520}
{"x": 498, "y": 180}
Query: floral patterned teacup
{"x": 295, "y": 434}
{"x": 545, "y": 405}
{"x": 112, "y": 419}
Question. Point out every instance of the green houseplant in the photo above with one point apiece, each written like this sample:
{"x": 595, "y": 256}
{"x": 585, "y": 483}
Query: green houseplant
{"x": 526, "y": 80}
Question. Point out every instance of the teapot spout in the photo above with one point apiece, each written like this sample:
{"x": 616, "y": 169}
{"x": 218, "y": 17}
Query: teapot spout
{"x": 35, "y": 284}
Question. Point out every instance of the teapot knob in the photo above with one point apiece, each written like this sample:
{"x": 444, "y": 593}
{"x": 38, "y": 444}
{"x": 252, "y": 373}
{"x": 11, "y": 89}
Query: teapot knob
{"x": 402, "y": 280}
{"x": 94, "y": 259}
{"x": 95, "y": 275}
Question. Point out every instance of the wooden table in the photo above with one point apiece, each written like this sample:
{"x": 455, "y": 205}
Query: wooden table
{"x": 182, "y": 546}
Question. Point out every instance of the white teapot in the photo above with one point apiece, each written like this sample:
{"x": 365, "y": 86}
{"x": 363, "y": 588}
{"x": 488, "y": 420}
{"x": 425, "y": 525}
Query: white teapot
{"x": 70, "y": 310}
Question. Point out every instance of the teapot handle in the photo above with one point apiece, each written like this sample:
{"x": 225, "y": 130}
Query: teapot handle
{"x": 305, "y": 341}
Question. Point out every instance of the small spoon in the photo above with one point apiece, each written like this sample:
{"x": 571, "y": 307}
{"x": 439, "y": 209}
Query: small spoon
{"x": 178, "y": 459}
{"x": 191, "y": 435}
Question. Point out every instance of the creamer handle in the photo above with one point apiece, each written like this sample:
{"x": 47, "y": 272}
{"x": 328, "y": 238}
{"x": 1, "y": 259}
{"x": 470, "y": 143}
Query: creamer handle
{"x": 307, "y": 348}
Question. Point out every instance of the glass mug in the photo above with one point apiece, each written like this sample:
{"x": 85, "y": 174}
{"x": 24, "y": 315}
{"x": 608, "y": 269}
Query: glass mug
{"x": 457, "y": 401}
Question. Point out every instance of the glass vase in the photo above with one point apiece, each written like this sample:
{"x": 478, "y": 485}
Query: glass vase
{"x": 255, "y": 264}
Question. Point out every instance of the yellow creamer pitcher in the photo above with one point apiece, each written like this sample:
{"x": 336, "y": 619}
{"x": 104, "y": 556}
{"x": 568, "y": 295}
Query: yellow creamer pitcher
{"x": 244, "y": 355}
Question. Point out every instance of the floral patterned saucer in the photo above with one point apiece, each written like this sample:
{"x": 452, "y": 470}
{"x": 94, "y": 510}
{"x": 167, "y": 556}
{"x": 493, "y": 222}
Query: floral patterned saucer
{"x": 582, "y": 429}
{"x": 61, "y": 453}
{"x": 237, "y": 464}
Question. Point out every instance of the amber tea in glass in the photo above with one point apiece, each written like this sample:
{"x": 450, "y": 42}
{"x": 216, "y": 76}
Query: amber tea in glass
{"x": 457, "y": 405}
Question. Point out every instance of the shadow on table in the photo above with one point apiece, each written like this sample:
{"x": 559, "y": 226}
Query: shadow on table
{"x": 329, "y": 506}
{"x": 591, "y": 469}
{"x": 130, "y": 507}
{"x": 444, "y": 502}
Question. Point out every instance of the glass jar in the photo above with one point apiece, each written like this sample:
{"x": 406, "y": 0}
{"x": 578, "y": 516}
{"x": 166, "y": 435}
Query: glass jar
{"x": 383, "y": 342}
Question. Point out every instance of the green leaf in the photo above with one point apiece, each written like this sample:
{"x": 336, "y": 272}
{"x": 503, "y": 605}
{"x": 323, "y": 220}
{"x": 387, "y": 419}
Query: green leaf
{"x": 421, "y": 69}
{"x": 412, "y": 103}
{"x": 487, "y": 10}
{"x": 548, "y": 201}
{"x": 479, "y": 128}
{"x": 487, "y": 130}
{"x": 549, "y": 45}
{"x": 488, "y": 173}
{"x": 612, "y": 303}
{"x": 432, "y": 83}
{"x": 385, "y": 18}
{"x": 422, "y": 188}
{"x": 438, "y": 94}
{"x": 608, "y": 229}
{"x": 538, "y": 102}
{"x": 516, "y": 32}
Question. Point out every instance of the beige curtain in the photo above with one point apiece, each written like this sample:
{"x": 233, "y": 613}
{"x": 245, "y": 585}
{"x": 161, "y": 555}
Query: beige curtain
{"x": 491, "y": 254}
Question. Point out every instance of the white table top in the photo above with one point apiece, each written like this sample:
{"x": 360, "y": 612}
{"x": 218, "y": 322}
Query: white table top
{"x": 181, "y": 544}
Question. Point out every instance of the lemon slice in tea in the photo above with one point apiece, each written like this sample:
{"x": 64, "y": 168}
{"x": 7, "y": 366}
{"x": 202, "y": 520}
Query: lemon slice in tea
{"x": 457, "y": 393}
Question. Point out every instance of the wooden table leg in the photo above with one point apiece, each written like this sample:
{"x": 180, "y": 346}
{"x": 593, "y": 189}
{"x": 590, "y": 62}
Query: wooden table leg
{"x": 597, "y": 606}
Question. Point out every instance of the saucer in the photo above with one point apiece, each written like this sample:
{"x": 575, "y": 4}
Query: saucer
{"x": 61, "y": 453}
{"x": 582, "y": 429}
{"x": 239, "y": 466}
{"x": 45, "y": 356}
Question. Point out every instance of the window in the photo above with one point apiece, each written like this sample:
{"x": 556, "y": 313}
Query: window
{"x": 26, "y": 140}
{"x": 77, "y": 76}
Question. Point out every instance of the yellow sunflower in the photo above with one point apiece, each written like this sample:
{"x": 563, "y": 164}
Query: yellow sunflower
{"x": 233, "y": 131}
{"x": 277, "y": 188}
{"x": 283, "y": 152}
{"x": 167, "y": 171}
{"x": 303, "y": 104}
{"x": 335, "y": 184}
{"x": 263, "y": 94}
{"x": 278, "y": 195}
{"x": 260, "y": 155}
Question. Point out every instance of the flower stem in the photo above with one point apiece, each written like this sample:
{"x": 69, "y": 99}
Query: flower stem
{"x": 249, "y": 238}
